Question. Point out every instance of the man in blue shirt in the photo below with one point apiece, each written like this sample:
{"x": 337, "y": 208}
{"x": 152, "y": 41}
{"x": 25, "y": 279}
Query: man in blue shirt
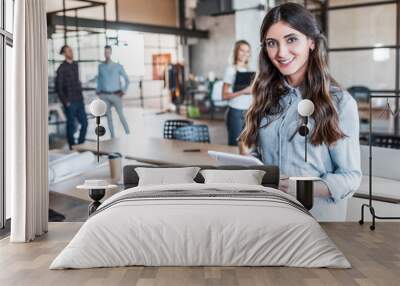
{"x": 110, "y": 88}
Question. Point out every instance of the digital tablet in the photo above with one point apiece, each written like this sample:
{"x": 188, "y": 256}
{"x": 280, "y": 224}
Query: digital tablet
{"x": 242, "y": 80}
{"x": 223, "y": 158}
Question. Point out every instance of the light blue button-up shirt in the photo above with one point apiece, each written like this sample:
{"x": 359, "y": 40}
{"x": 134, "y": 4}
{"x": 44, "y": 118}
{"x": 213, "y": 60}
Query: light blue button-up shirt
{"x": 109, "y": 78}
{"x": 338, "y": 165}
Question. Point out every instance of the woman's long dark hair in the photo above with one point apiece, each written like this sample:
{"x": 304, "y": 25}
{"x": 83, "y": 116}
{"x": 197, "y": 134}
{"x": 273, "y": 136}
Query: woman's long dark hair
{"x": 269, "y": 85}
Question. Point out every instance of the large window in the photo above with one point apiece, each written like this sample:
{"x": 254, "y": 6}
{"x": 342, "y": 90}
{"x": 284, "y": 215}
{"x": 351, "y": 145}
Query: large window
{"x": 364, "y": 52}
{"x": 6, "y": 41}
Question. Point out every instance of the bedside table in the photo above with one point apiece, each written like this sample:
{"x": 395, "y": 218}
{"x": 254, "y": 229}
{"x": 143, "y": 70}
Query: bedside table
{"x": 97, "y": 190}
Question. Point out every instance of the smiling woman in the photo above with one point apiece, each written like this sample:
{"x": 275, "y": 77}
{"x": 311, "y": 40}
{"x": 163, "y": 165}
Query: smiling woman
{"x": 292, "y": 67}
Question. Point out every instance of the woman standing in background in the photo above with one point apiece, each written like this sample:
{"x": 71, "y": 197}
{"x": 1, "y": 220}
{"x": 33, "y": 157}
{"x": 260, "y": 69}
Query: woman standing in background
{"x": 238, "y": 101}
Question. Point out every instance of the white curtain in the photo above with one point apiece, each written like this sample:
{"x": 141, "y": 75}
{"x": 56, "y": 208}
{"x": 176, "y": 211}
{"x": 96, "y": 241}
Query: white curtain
{"x": 26, "y": 119}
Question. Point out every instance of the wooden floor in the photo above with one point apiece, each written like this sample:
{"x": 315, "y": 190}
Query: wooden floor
{"x": 375, "y": 257}
{"x": 74, "y": 209}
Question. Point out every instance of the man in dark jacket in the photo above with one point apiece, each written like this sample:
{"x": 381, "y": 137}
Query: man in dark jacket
{"x": 69, "y": 90}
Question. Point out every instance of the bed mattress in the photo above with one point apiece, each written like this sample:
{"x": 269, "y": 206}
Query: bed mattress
{"x": 201, "y": 225}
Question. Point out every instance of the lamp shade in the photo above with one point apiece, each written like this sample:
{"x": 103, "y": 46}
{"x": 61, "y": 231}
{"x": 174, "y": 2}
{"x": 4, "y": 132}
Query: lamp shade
{"x": 98, "y": 107}
{"x": 305, "y": 107}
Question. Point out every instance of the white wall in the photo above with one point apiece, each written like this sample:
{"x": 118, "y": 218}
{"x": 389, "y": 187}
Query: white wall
{"x": 130, "y": 53}
{"x": 213, "y": 54}
{"x": 248, "y": 20}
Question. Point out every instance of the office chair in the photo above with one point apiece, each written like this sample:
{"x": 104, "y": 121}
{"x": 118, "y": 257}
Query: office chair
{"x": 360, "y": 93}
{"x": 193, "y": 133}
{"x": 171, "y": 125}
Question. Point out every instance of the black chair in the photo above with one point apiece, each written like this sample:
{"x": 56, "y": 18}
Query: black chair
{"x": 171, "y": 125}
{"x": 193, "y": 133}
{"x": 385, "y": 140}
{"x": 360, "y": 93}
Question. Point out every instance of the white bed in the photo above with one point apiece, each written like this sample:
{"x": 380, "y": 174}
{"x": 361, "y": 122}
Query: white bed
{"x": 224, "y": 225}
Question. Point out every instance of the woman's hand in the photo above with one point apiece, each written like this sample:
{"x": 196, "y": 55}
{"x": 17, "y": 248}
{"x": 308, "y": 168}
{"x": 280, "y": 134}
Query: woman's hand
{"x": 227, "y": 94}
{"x": 284, "y": 185}
{"x": 321, "y": 190}
{"x": 287, "y": 186}
{"x": 243, "y": 149}
{"x": 230, "y": 95}
{"x": 247, "y": 90}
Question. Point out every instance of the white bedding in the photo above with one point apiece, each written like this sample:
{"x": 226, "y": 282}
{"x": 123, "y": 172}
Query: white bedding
{"x": 183, "y": 231}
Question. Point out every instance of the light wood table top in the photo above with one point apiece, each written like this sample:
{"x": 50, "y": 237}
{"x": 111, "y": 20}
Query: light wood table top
{"x": 158, "y": 151}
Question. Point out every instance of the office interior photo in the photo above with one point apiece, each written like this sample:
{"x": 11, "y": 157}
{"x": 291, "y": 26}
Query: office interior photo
{"x": 199, "y": 142}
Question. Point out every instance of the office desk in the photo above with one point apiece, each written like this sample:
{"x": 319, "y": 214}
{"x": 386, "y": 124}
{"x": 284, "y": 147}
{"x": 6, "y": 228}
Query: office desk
{"x": 158, "y": 151}
{"x": 377, "y": 111}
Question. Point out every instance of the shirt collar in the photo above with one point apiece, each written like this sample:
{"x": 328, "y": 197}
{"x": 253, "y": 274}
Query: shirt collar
{"x": 293, "y": 91}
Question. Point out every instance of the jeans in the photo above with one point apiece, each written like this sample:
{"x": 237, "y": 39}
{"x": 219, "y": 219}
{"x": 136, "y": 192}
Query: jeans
{"x": 116, "y": 101}
{"x": 235, "y": 124}
{"x": 76, "y": 111}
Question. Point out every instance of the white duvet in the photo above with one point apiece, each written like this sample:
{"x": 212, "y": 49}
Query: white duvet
{"x": 188, "y": 231}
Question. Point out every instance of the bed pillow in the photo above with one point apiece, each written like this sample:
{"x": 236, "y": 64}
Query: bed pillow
{"x": 248, "y": 177}
{"x": 166, "y": 176}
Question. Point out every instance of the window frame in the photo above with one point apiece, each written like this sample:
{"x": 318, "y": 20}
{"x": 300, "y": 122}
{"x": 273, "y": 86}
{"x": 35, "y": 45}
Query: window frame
{"x": 6, "y": 39}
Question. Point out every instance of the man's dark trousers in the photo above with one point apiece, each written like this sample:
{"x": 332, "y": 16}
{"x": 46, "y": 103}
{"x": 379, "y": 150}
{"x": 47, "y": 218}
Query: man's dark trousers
{"x": 76, "y": 110}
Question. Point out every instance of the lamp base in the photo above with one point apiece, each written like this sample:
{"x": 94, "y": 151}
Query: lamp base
{"x": 305, "y": 193}
{"x": 96, "y": 195}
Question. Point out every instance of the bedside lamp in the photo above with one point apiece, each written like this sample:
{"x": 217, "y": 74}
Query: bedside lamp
{"x": 98, "y": 108}
{"x": 97, "y": 188}
{"x": 304, "y": 185}
{"x": 305, "y": 108}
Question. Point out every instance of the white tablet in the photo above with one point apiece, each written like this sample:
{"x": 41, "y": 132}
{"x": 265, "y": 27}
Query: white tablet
{"x": 305, "y": 178}
{"x": 223, "y": 158}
